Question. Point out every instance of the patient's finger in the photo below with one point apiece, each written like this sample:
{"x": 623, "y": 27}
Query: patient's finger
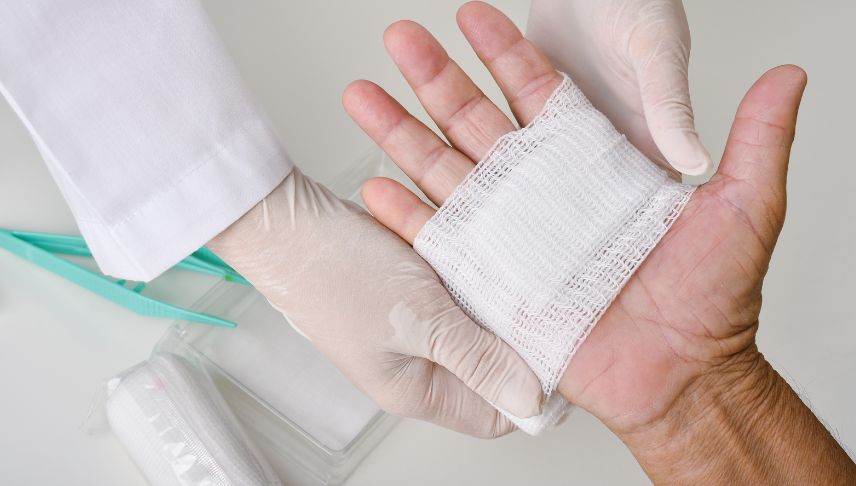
{"x": 470, "y": 120}
{"x": 434, "y": 166}
{"x": 396, "y": 207}
{"x": 523, "y": 72}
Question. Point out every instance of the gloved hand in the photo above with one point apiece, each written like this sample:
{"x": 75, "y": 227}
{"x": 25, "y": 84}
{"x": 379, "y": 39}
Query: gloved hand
{"x": 376, "y": 310}
{"x": 630, "y": 58}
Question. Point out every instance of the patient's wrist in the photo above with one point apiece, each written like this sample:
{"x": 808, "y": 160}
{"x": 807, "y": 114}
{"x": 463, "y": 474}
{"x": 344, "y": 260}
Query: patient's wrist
{"x": 704, "y": 435}
{"x": 739, "y": 423}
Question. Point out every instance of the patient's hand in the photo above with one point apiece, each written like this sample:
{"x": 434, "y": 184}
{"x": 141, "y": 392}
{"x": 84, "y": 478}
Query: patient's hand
{"x": 690, "y": 313}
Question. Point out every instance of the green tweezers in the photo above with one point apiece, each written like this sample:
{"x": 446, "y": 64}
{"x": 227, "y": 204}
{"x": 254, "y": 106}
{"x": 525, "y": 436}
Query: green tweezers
{"x": 40, "y": 248}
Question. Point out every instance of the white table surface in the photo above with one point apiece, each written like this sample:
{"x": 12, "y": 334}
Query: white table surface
{"x": 57, "y": 342}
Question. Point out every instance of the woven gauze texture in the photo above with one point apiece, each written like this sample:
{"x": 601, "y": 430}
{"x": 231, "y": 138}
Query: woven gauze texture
{"x": 179, "y": 431}
{"x": 541, "y": 236}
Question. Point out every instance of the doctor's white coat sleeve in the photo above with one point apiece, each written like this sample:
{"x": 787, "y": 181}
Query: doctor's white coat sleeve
{"x": 143, "y": 121}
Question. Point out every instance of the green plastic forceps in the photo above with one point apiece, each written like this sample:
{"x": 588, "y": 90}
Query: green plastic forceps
{"x": 41, "y": 249}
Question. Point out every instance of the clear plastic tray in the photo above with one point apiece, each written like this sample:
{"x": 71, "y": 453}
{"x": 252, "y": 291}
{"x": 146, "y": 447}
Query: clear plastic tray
{"x": 312, "y": 424}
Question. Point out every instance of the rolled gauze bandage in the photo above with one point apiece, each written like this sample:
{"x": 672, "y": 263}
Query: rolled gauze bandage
{"x": 179, "y": 431}
{"x": 541, "y": 236}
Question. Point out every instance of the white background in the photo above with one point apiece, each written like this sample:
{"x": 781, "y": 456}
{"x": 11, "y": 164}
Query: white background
{"x": 57, "y": 341}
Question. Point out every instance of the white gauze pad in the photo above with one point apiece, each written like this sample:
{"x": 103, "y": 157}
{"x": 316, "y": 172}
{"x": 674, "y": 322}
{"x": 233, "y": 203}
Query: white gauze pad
{"x": 541, "y": 236}
{"x": 176, "y": 426}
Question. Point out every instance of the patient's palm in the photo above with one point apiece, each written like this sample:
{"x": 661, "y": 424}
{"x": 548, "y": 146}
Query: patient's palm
{"x": 694, "y": 303}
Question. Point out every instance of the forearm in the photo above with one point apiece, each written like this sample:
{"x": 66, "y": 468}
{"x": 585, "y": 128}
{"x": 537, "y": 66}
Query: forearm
{"x": 740, "y": 423}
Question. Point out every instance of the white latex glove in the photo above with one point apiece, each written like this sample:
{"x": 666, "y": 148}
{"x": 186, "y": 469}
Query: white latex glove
{"x": 377, "y": 310}
{"x": 630, "y": 58}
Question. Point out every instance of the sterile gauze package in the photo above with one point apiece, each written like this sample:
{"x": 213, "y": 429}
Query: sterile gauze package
{"x": 541, "y": 236}
{"x": 177, "y": 428}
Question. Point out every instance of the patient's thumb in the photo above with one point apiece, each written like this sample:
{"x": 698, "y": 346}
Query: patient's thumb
{"x": 759, "y": 144}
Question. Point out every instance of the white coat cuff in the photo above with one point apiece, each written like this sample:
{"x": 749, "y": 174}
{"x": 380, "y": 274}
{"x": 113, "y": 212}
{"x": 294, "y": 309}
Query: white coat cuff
{"x": 189, "y": 213}
{"x": 143, "y": 120}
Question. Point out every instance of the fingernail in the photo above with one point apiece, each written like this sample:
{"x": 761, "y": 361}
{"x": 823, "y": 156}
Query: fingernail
{"x": 522, "y": 395}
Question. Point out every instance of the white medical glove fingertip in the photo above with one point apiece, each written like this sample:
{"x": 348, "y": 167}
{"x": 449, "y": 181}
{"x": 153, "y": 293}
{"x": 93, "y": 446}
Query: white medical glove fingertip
{"x": 521, "y": 394}
{"x": 684, "y": 151}
{"x": 669, "y": 115}
{"x": 480, "y": 359}
{"x": 497, "y": 373}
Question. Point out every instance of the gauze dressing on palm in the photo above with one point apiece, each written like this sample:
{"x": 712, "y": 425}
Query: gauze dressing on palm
{"x": 540, "y": 237}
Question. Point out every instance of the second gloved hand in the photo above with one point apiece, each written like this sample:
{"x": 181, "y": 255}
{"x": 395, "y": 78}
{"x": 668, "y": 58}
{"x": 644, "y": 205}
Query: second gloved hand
{"x": 377, "y": 310}
{"x": 630, "y": 58}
